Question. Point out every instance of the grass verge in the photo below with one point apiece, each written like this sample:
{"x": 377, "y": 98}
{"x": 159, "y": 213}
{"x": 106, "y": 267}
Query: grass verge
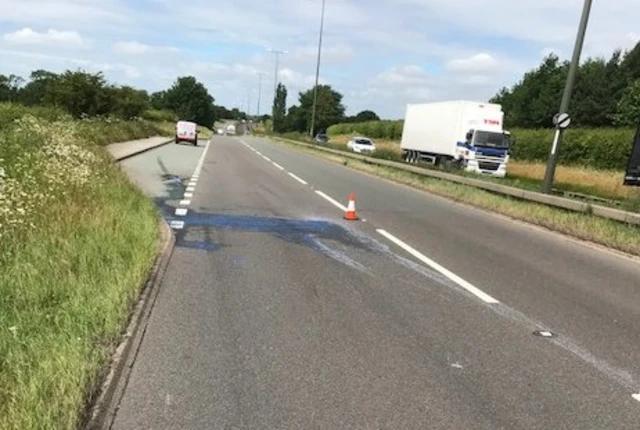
{"x": 602, "y": 231}
{"x": 77, "y": 240}
{"x": 604, "y": 184}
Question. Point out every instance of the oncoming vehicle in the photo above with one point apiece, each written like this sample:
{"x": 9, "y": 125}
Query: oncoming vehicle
{"x": 187, "y": 131}
{"x": 361, "y": 144}
{"x": 321, "y": 138}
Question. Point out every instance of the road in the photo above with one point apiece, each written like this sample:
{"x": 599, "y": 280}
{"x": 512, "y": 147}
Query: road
{"x": 277, "y": 313}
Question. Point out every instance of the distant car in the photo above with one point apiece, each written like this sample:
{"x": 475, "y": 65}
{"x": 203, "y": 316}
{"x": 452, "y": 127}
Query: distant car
{"x": 321, "y": 138}
{"x": 220, "y": 131}
{"x": 361, "y": 145}
{"x": 187, "y": 131}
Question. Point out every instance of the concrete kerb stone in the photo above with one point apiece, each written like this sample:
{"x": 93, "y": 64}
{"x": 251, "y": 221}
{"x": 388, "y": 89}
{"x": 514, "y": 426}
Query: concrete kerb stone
{"x": 546, "y": 199}
{"x": 141, "y": 150}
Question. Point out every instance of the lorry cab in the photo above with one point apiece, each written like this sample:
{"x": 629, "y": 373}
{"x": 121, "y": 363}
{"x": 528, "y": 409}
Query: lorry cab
{"x": 187, "y": 131}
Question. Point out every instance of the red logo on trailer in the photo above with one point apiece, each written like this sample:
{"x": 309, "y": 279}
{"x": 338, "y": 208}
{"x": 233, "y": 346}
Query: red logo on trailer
{"x": 492, "y": 121}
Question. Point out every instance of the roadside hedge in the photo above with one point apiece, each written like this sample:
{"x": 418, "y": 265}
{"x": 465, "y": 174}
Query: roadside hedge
{"x": 600, "y": 148}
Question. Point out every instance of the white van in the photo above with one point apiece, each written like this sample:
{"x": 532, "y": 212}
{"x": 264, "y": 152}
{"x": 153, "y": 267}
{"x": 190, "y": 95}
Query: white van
{"x": 187, "y": 131}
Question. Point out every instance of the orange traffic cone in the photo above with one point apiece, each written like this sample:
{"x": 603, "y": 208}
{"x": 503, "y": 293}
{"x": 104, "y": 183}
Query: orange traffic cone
{"x": 351, "y": 214}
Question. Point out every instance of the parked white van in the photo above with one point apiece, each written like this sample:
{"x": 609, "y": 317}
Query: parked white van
{"x": 187, "y": 131}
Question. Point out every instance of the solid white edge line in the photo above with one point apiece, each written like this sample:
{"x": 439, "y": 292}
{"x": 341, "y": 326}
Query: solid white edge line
{"x": 278, "y": 166}
{"x": 302, "y": 181}
{"x": 259, "y": 153}
{"x": 185, "y": 202}
{"x": 201, "y": 160}
{"x": 429, "y": 262}
{"x": 636, "y": 396}
{"x": 178, "y": 225}
{"x": 267, "y": 158}
{"x": 331, "y": 200}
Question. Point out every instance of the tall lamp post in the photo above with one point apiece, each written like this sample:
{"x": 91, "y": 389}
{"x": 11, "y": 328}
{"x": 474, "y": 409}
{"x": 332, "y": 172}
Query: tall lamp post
{"x": 275, "y": 81}
{"x": 260, "y": 75}
{"x": 315, "y": 88}
{"x": 562, "y": 120}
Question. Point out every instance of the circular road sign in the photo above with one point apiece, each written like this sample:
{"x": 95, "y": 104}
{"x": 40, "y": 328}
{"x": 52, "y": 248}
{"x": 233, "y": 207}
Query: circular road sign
{"x": 562, "y": 120}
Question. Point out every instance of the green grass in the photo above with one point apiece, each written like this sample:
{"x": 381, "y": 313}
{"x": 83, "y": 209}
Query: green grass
{"x": 74, "y": 253}
{"x": 604, "y": 184}
{"x": 602, "y": 231}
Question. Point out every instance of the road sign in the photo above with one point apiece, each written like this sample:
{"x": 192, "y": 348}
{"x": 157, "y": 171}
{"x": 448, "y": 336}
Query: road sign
{"x": 562, "y": 120}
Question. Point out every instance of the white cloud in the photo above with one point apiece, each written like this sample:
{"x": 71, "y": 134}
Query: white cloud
{"x": 481, "y": 62}
{"x": 137, "y": 48}
{"x": 380, "y": 54}
{"x": 61, "y": 39}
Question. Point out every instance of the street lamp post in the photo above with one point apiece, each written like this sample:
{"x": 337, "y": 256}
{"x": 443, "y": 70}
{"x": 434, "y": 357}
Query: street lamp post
{"x": 315, "y": 88}
{"x": 275, "y": 80}
{"x": 260, "y": 74}
{"x": 566, "y": 97}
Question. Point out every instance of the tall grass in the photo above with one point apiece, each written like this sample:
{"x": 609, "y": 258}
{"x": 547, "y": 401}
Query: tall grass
{"x": 529, "y": 174}
{"x": 76, "y": 242}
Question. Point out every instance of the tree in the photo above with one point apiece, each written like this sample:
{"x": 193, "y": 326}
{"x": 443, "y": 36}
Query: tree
{"x": 329, "y": 108}
{"x": 295, "y": 120}
{"x": 158, "y": 100}
{"x": 10, "y": 87}
{"x": 628, "y": 109}
{"x": 40, "y": 84}
{"x": 280, "y": 109}
{"x": 366, "y": 115}
{"x": 80, "y": 93}
{"x": 191, "y": 101}
{"x": 129, "y": 102}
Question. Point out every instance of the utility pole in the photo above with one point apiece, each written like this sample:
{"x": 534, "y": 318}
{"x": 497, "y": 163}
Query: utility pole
{"x": 315, "y": 88}
{"x": 562, "y": 119}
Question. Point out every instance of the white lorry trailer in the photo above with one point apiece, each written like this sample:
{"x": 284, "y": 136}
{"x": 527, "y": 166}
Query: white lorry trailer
{"x": 464, "y": 133}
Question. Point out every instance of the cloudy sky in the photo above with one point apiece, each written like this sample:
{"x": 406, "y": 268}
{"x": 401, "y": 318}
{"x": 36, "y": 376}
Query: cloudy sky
{"x": 379, "y": 54}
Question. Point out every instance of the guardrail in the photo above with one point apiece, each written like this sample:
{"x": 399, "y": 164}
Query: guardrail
{"x": 546, "y": 199}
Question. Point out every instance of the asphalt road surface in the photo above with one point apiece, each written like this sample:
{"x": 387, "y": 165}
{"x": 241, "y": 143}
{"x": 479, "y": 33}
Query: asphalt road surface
{"x": 277, "y": 313}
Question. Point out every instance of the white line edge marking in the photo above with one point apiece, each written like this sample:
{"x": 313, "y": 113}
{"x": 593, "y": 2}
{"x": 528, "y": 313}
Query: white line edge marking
{"x": 181, "y": 211}
{"x": 636, "y": 396}
{"x": 331, "y": 200}
{"x": 185, "y": 202}
{"x": 259, "y": 153}
{"x": 178, "y": 225}
{"x": 278, "y": 166}
{"x": 192, "y": 184}
{"x": 188, "y": 195}
{"x": 267, "y": 158}
{"x": 302, "y": 181}
{"x": 196, "y": 173}
{"x": 452, "y": 276}
{"x": 190, "y": 189}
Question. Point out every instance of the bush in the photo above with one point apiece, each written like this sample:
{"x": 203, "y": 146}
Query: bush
{"x": 10, "y": 112}
{"x": 600, "y": 148}
{"x": 160, "y": 115}
{"x": 391, "y": 130}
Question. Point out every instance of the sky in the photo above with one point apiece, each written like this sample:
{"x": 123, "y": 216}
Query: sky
{"x": 379, "y": 54}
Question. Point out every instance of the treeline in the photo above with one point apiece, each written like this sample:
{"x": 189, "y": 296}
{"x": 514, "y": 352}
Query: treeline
{"x": 84, "y": 94}
{"x": 606, "y": 92}
{"x": 329, "y": 111}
